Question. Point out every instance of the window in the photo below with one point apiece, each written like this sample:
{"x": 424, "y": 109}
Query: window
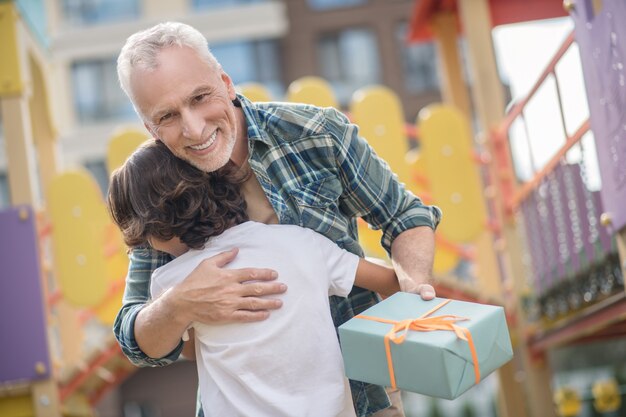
{"x": 4, "y": 181}
{"x": 334, "y": 4}
{"x": 83, "y": 12}
{"x": 419, "y": 62}
{"x": 99, "y": 172}
{"x": 207, "y": 4}
{"x": 348, "y": 61}
{"x": 5, "y": 196}
{"x": 255, "y": 61}
{"x": 97, "y": 94}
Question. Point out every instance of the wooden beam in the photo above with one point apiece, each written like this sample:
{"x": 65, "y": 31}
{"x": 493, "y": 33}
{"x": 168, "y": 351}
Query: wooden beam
{"x": 20, "y": 152}
{"x": 531, "y": 395}
{"x": 453, "y": 88}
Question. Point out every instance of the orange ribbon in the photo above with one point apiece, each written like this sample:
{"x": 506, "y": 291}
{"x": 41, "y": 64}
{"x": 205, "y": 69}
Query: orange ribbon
{"x": 398, "y": 333}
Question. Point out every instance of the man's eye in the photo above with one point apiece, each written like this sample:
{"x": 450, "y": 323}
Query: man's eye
{"x": 165, "y": 117}
{"x": 200, "y": 98}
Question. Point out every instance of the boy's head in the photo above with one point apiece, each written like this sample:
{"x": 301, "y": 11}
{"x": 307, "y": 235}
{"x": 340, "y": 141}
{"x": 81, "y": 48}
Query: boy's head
{"x": 156, "y": 195}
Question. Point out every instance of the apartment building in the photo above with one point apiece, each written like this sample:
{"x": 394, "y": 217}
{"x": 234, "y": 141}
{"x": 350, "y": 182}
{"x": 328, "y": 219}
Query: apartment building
{"x": 353, "y": 43}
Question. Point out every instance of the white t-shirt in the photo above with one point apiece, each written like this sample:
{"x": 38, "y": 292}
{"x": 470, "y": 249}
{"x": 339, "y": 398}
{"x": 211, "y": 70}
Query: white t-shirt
{"x": 290, "y": 364}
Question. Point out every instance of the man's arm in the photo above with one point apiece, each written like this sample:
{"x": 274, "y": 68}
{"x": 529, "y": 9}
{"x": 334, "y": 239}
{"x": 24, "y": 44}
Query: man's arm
{"x": 373, "y": 192}
{"x": 210, "y": 294}
{"x": 136, "y": 295}
{"x": 412, "y": 253}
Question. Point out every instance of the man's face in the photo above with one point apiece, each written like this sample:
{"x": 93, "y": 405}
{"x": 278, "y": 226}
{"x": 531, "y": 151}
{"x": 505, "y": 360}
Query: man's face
{"x": 187, "y": 104}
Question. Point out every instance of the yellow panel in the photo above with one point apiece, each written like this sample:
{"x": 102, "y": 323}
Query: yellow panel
{"x": 79, "y": 218}
{"x": 107, "y": 311}
{"x": 312, "y": 90}
{"x": 418, "y": 181}
{"x": 116, "y": 261}
{"x": 455, "y": 185}
{"x": 11, "y": 82}
{"x": 378, "y": 113}
{"x": 17, "y": 406}
{"x": 255, "y": 92}
{"x": 370, "y": 241}
{"x": 445, "y": 261}
{"x": 121, "y": 145}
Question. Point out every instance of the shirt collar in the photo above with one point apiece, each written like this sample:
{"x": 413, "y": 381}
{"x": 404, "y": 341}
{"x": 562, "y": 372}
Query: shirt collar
{"x": 255, "y": 120}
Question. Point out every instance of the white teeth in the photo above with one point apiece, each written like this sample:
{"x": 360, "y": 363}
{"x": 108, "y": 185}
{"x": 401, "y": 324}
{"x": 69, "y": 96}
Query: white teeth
{"x": 205, "y": 144}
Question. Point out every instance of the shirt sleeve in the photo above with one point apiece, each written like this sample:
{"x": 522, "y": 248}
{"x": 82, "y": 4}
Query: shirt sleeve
{"x": 341, "y": 264}
{"x": 136, "y": 294}
{"x": 371, "y": 190}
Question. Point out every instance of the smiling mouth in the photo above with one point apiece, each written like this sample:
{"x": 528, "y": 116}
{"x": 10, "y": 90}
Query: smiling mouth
{"x": 205, "y": 144}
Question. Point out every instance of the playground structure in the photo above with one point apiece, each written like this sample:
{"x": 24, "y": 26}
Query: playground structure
{"x": 549, "y": 247}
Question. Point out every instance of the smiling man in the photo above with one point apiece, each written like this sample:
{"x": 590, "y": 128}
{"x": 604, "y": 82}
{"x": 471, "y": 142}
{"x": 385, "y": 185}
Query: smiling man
{"x": 303, "y": 165}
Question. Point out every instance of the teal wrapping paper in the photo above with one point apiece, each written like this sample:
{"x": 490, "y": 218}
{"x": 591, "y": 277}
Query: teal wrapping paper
{"x": 435, "y": 363}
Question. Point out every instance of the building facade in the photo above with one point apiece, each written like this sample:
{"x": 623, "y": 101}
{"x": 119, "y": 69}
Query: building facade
{"x": 350, "y": 43}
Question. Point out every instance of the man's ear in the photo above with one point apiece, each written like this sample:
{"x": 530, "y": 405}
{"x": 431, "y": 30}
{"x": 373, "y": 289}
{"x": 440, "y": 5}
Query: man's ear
{"x": 229, "y": 85}
{"x": 151, "y": 130}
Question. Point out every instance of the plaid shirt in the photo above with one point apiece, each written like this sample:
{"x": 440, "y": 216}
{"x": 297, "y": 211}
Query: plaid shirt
{"x": 318, "y": 173}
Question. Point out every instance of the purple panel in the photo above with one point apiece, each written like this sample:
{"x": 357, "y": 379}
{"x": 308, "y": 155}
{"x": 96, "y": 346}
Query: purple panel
{"x": 602, "y": 42}
{"x": 535, "y": 243}
{"x": 559, "y": 214}
{"x": 606, "y": 242}
{"x": 22, "y": 318}
{"x": 545, "y": 234}
{"x": 549, "y": 234}
{"x": 568, "y": 232}
{"x": 568, "y": 176}
{"x": 583, "y": 197}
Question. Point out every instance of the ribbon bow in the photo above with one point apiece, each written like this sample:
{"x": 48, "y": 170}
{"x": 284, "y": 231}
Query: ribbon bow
{"x": 400, "y": 329}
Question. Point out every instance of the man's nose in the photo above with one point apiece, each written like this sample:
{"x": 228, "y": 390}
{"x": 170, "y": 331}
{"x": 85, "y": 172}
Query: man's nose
{"x": 192, "y": 124}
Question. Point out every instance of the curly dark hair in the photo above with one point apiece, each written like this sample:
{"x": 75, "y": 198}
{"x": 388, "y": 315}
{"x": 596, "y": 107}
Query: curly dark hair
{"x": 156, "y": 194}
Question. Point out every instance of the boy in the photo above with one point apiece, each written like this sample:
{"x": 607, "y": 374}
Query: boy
{"x": 287, "y": 365}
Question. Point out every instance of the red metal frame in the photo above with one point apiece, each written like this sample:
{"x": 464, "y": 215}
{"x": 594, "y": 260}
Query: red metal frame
{"x": 68, "y": 389}
{"x": 502, "y": 154}
{"x": 118, "y": 378}
{"x": 502, "y": 12}
{"x": 534, "y": 183}
{"x": 602, "y": 320}
{"x": 594, "y": 322}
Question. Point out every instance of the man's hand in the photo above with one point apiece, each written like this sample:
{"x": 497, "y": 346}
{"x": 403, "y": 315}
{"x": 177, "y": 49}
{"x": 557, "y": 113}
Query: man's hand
{"x": 426, "y": 291}
{"x": 412, "y": 254}
{"x": 210, "y": 294}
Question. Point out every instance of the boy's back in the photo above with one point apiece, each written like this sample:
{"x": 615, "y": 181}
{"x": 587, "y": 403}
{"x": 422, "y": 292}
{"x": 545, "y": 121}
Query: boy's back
{"x": 291, "y": 363}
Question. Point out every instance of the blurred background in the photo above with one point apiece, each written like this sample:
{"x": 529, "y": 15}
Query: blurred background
{"x": 508, "y": 114}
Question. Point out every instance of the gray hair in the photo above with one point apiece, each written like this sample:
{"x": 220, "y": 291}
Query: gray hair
{"x": 142, "y": 49}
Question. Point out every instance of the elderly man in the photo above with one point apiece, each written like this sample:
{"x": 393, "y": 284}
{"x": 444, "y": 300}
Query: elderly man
{"x": 305, "y": 165}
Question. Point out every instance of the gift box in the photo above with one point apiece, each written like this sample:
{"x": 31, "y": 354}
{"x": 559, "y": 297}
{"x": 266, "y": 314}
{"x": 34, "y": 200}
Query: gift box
{"x": 439, "y": 347}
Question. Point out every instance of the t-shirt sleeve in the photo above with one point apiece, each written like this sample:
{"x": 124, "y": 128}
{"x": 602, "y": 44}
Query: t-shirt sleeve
{"x": 156, "y": 283}
{"x": 340, "y": 264}
{"x": 170, "y": 274}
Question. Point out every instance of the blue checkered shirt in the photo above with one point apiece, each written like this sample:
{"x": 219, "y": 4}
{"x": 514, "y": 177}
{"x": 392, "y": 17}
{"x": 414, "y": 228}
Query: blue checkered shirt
{"x": 317, "y": 172}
